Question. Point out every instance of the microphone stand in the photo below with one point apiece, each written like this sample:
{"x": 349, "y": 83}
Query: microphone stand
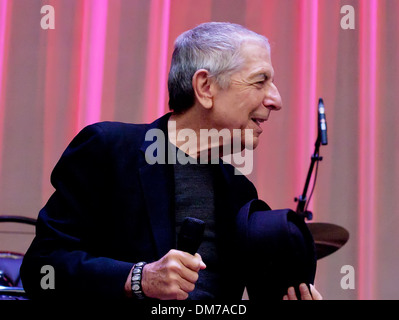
{"x": 303, "y": 198}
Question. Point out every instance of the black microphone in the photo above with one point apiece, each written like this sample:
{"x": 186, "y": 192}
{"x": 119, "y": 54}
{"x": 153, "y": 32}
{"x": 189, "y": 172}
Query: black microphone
{"x": 190, "y": 235}
{"x": 322, "y": 123}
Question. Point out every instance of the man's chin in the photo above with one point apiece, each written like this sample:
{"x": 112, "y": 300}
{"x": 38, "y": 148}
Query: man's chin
{"x": 250, "y": 143}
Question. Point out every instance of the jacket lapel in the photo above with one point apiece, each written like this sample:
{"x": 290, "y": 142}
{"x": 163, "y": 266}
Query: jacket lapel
{"x": 158, "y": 189}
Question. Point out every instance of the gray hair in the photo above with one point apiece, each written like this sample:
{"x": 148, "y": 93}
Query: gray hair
{"x": 214, "y": 46}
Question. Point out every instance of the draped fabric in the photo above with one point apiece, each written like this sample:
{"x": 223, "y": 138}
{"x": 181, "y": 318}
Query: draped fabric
{"x": 109, "y": 60}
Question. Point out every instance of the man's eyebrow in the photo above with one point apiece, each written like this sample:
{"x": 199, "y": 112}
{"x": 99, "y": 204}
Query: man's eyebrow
{"x": 265, "y": 75}
{"x": 257, "y": 75}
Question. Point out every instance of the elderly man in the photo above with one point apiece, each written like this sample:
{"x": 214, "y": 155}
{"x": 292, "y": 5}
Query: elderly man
{"x": 110, "y": 227}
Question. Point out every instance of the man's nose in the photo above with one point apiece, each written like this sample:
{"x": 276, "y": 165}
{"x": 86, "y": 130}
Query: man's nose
{"x": 273, "y": 99}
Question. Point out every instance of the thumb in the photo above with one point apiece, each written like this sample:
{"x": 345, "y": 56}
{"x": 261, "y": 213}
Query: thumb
{"x": 202, "y": 264}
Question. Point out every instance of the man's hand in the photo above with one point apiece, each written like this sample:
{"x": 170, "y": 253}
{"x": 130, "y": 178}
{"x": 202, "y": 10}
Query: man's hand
{"x": 171, "y": 277}
{"x": 305, "y": 294}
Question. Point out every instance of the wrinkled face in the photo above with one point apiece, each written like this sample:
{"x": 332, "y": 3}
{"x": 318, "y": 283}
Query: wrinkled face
{"x": 250, "y": 97}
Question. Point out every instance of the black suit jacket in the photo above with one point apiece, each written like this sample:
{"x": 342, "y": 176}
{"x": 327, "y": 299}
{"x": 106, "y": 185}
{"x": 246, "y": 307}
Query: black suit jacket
{"x": 112, "y": 209}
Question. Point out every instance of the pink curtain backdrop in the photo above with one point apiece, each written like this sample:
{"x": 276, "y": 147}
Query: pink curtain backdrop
{"x": 109, "y": 60}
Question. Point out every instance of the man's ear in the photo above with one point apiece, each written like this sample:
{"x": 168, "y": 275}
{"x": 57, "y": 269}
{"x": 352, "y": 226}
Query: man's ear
{"x": 203, "y": 88}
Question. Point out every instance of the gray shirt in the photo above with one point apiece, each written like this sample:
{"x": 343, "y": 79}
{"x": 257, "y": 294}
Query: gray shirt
{"x": 194, "y": 197}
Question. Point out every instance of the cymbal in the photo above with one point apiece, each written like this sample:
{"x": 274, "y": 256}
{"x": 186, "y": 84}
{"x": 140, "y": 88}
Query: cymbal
{"x": 328, "y": 237}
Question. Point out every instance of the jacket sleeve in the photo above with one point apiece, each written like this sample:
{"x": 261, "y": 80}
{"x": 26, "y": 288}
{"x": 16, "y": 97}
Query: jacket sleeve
{"x": 66, "y": 227}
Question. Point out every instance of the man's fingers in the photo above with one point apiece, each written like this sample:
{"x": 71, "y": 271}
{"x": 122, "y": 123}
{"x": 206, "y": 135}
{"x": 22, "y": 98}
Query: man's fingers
{"x": 185, "y": 265}
{"x": 191, "y": 262}
{"x": 291, "y": 294}
{"x": 181, "y": 295}
{"x": 186, "y": 286}
{"x": 304, "y": 290}
{"x": 189, "y": 275}
{"x": 313, "y": 294}
{"x": 192, "y": 266}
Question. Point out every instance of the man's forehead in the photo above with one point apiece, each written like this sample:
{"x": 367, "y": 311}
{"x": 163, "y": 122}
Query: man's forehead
{"x": 256, "y": 54}
{"x": 257, "y": 67}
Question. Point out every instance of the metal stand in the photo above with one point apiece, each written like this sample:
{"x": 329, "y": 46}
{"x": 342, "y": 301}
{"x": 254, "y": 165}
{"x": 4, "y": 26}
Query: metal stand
{"x": 303, "y": 198}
